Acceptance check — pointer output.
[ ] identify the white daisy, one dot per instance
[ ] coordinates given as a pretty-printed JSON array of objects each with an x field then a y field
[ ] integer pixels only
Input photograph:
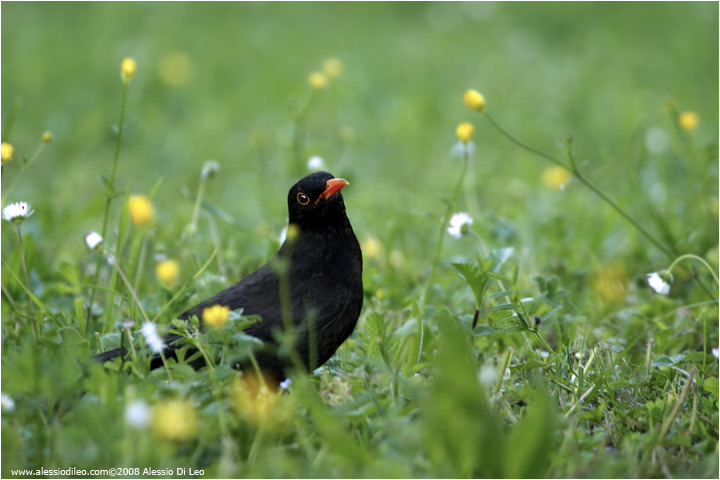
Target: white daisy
[
  {"x": 17, "y": 212},
  {"x": 8, "y": 404},
  {"x": 459, "y": 148},
  {"x": 660, "y": 282},
  {"x": 716, "y": 352},
  {"x": 152, "y": 339},
  {"x": 315, "y": 163},
  {"x": 137, "y": 414},
  {"x": 210, "y": 168},
  {"x": 459, "y": 224},
  {"x": 282, "y": 236},
  {"x": 93, "y": 239}
]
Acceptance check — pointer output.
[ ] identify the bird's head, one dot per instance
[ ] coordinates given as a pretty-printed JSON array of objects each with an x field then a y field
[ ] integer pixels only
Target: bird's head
[{"x": 315, "y": 201}]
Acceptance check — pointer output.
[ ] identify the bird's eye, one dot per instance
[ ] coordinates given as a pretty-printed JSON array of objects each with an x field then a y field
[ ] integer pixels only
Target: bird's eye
[{"x": 303, "y": 199}]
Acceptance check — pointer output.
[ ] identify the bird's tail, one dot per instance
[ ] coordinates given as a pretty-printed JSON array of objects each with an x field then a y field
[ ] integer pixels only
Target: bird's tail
[
  {"x": 108, "y": 355},
  {"x": 156, "y": 360}
]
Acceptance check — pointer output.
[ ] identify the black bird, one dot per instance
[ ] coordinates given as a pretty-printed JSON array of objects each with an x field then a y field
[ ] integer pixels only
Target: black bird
[{"x": 324, "y": 274}]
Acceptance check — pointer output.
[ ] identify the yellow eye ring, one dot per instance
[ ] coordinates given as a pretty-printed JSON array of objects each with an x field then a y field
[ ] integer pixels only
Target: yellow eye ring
[{"x": 303, "y": 199}]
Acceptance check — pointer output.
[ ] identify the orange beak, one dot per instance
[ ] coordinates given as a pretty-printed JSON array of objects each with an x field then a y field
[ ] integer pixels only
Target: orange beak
[{"x": 332, "y": 186}]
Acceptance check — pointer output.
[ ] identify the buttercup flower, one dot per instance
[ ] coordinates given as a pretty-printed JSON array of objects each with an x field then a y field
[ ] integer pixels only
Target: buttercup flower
[
  {"x": 17, "y": 212},
  {"x": 688, "y": 121},
  {"x": 371, "y": 247},
  {"x": 257, "y": 400},
  {"x": 556, "y": 177},
  {"x": 167, "y": 271},
  {"x": 152, "y": 339},
  {"x": 332, "y": 67},
  {"x": 127, "y": 69},
  {"x": 93, "y": 239},
  {"x": 47, "y": 137},
  {"x": 459, "y": 224},
  {"x": 318, "y": 80},
  {"x": 137, "y": 414},
  {"x": 660, "y": 282},
  {"x": 610, "y": 282},
  {"x": 465, "y": 131},
  {"x": 315, "y": 163},
  {"x": 6, "y": 152},
  {"x": 474, "y": 100},
  {"x": 174, "y": 420},
  {"x": 141, "y": 211},
  {"x": 216, "y": 316}
]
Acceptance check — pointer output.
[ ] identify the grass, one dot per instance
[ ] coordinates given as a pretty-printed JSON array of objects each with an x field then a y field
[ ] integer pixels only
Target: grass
[{"x": 449, "y": 372}]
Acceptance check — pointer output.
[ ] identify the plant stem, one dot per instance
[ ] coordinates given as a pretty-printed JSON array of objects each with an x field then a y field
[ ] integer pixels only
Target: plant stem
[
  {"x": 690, "y": 256},
  {"x": 129, "y": 287},
  {"x": 110, "y": 193},
  {"x": 184, "y": 287},
  {"x": 36, "y": 330},
  {"x": 503, "y": 366},
  {"x": 438, "y": 247},
  {"x": 522, "y": 145},
  {"x": 198, "y": 201},
  {"x": 443, "y": 227},
  {"x": 676, "y": 408},
  {"x": 37, "y": 153},
  {"x": 299, "y": 131},
  {"x": 576, "y": 173}
]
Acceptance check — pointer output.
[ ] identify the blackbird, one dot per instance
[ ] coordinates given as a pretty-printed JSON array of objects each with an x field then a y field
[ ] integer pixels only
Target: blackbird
[{"x": 320, "y": 262}]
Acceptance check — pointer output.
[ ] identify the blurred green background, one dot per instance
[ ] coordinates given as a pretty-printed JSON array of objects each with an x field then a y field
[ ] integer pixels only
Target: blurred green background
[
  {"x": 224, "y": 81},
  {"x": 597, "y": 71}
]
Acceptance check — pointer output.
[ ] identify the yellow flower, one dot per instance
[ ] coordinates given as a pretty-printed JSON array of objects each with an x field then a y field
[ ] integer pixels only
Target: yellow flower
[
  {"x": 257, "y": 399},
  {"x": 610, "y": 282},
  {"x": 293, "y": 230},
  {"x": 372, "y": 248},
  {"x": 215, "y": 316},
  {"x": 174, "y": 420},
  {"x": 6, "y": 152},
  {"x": 167, "y": 271},
  {"x": 47, "y": 137},
  {"x": 465, "y": 131},
  {"x": 141, "y": 210},
  {"x": 318, "y": 80},
  {"x": 688, "y": 121},
  {"x": 174, "y": 69},
  {"x": 332, "y": 67},
  {"x": 127, "y": 69},
  {"x": 556, "y": 177},
  {"x": 474, "y": 100}
]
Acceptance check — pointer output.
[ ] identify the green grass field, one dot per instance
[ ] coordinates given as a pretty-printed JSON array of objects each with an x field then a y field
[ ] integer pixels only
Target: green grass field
[{"x": 576, "y": 367}]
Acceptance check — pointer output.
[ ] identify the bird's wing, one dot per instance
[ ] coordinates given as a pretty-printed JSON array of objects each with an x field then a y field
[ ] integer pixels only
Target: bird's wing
[{"x": 257, "y": 294}]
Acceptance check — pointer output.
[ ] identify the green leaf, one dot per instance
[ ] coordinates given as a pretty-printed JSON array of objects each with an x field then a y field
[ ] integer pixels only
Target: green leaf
[
  {"x": 501, "y": 255},
  {"x": 476, "y": 279},
  {"x": 502, "y": 293},
  {"x": 665, "y": 361},
  {"x": 711, "y": 385},
  {"x": 532, "y": 440},
  {"x": 109, "y": 189},
  {"x": 505, "y": 306}
]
